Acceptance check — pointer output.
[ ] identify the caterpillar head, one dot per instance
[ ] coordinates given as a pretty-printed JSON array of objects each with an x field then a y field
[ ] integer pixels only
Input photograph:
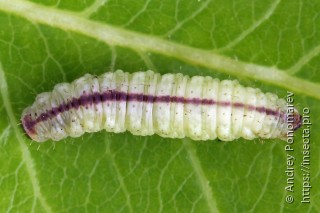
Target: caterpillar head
[
  {"x": 29, "y": 128},
  {"x": 29, "y": 123}
]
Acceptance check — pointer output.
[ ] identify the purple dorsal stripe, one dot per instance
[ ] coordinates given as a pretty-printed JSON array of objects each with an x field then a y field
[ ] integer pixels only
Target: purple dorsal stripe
[{"x": 112, "y": 95}]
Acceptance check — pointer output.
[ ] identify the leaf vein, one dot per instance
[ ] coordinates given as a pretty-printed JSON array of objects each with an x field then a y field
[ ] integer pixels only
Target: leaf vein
[
  {"x": 133, "y": 40},
  {"x": 201, "y": 177},
  {"x": 25, "y": 151}
]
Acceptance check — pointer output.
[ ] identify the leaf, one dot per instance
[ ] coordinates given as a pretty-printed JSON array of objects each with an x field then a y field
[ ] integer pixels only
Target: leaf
[{"x": 272, "y": 45}]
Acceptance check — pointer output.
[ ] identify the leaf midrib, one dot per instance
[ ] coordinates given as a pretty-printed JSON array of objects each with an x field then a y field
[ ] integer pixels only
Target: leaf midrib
[{"x": 114, "y": 36}]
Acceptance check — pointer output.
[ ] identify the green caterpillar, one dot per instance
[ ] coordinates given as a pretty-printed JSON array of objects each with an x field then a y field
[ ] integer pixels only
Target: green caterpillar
[{"x": 146, "y": 103}]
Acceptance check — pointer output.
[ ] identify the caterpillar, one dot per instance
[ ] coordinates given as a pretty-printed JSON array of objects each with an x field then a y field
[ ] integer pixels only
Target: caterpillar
[{"x": 146, "y": 103}]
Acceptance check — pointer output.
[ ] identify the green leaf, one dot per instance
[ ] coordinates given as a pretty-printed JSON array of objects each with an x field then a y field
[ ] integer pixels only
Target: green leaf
[{"x": 273, "y": 45}]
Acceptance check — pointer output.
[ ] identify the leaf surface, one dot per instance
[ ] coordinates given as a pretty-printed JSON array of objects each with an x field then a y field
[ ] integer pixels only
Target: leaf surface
[{"x": 272, "y": 45}]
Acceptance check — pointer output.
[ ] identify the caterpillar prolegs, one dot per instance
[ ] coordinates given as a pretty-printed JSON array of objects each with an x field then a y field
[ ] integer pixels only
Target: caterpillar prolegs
[{"x": 146, "y": 103}]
